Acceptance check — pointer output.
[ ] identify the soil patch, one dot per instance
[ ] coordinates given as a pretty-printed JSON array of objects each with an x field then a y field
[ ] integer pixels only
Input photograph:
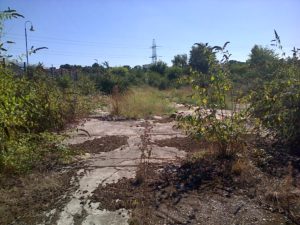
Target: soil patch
[
  {"x": 25, "y": 199},
  {"x": 103, "y": 144},
  {"x": 187, "y": 144},
  {"x": 192, "y": 193}
]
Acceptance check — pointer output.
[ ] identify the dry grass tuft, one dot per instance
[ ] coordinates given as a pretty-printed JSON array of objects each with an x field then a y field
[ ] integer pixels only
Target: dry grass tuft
[
  {"x": 25, "y": 199},
  {"x": 284, "y": 196},
  {"x": 239, "y": 167}
]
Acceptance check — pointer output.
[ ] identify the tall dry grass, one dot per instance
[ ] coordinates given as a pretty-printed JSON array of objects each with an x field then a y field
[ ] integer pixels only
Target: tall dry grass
[{"x": 141, "y": 102}]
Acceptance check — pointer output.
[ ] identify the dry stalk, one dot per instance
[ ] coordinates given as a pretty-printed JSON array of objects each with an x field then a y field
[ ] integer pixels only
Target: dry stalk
[
  {"x": 142, "y": 175},
  {"x": 116, "y": 98}
]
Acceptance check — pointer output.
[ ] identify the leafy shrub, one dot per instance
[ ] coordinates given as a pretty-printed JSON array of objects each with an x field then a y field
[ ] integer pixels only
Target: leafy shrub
[
  {"x": 106, "y": 82},
  {"x": 157, "y": 80},
  {"x": 33, "y": 105},
  {"x": 159, "y": 67},
  {"x": 85, "y": 86},
  {"x": 174, "y": 73},
  {"x": 64, "y": 81},
  {"x": 211, "y": 121},
  {"x": 276, "y": 104},
  {"x": 27, "y": 151},
  {"x": 29, "y": 108}
]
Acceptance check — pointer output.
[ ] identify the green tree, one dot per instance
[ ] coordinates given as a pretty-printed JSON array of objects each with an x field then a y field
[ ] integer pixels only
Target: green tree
[
  {"x": 174, "y": 72},
  {"x": 262, "y": 60},
  {"x": 159, "y": 67},
  {"x": 95, "y": 66},
  {"x": 66, "y": 66},
  {"x": 199, "y": 57},
  {"x": 180, "y": 61}
]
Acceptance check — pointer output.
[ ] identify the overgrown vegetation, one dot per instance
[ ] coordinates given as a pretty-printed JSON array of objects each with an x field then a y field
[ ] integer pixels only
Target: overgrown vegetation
[
  {"x": 140, "y": 103},
  {"x": 231, "y": 98},
  {"x": 271, "y": 106},
  {"x": 30, "y": 108},
  {"x": 212, "y": 122},
  {"x": 277, "y": 105},
  {"x": 33, "y": 105},
  {"x": 181, "y": 95}
]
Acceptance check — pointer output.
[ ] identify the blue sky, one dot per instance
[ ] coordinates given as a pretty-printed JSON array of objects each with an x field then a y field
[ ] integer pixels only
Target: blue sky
[{"x": 121, "y": 31}]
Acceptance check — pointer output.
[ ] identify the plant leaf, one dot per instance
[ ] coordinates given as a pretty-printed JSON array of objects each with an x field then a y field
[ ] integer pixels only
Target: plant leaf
[
  {"x": 218, "y": 48},
  {"x": 40, "y": 48},
  {"x": 226, "y": 43}
]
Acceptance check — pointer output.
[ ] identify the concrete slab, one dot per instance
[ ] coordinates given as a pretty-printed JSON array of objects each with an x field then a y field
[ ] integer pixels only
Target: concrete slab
[{"x": 109, "y": 167}]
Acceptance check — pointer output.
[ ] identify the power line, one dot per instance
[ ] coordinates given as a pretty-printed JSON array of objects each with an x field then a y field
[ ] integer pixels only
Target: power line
[
  {"x": 64, "y": 42},
  {"x": 112, "y": 45},
  {"x": 88, "y": 54},
  {"x": 74, "y": 42}
]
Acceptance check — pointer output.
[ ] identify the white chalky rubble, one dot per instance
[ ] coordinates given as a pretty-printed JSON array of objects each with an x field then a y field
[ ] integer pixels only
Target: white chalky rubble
[{"x": 109, "y": 167}]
